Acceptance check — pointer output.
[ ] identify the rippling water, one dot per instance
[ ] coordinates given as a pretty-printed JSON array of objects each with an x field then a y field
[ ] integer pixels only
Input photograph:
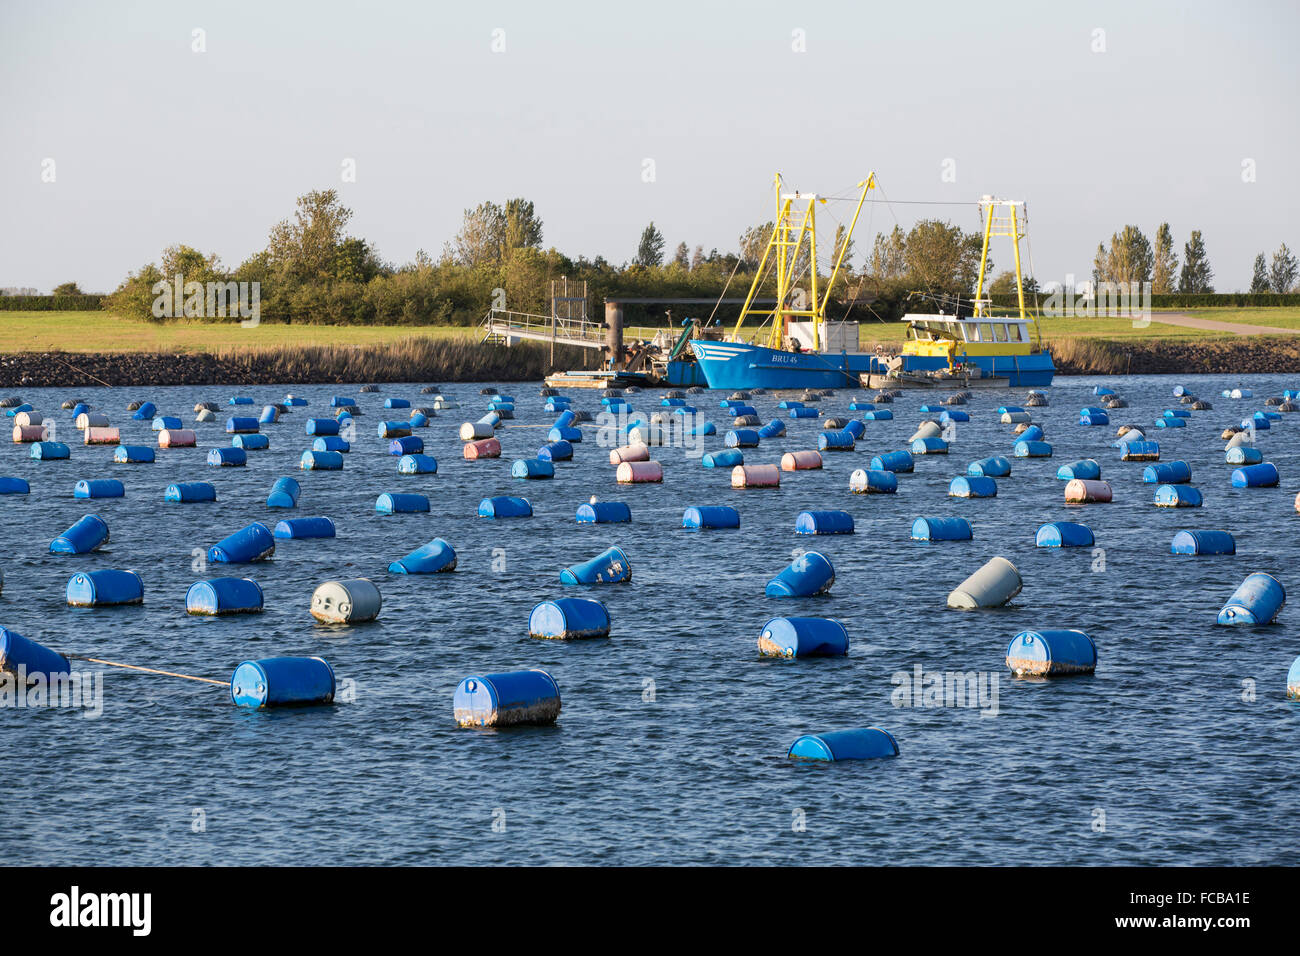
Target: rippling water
[{"x": 671, "y": 745}]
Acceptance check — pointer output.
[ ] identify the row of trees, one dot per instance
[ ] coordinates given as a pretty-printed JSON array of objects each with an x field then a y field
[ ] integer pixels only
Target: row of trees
[{"x": 1130, "y": 257}]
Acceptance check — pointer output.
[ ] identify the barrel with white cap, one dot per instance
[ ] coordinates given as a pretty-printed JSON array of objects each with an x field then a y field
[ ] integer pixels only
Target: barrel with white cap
[
  {"x": 1052, "y": 653},
  {"x": 866, "y": 743},
  {"x": 220, "y": 596},
  {"x": 88, "y": 533},
  {"x": 282, "y": 682},
  {"x": 993, "y": 585},
  {"x": 50, "y": 451},
  {"x": 1064, "y": 534},
  {"x": 871, "y": 481},
  {"x": 808, "y": 575},
  {"x": 436, "y": 557},
  {"x": 791, "y": 637},
  {"x": 611, "y": 566},
  {"x": 105, "y": 587},
  {"x": 1257, "y": 600},
  {"x": 532, "y": 469},
  {"x": 1032, "y": 449},
  {"x": 502, "y": 700},
  {"x": 28, "y": 660},
  {"x": 417, "y": 465},
  {"x": 878, "y": 415},
  {"x": 569, "y": 619},
  {"x": 353, "y": 601},
  {"x": 1087, "y": 468},
  {"x": 247, "y": 545},
  {"x": 331, "y": 443},
  {"x": 133, "y": 454},
  {"x": 738, "y": 438},
  {"x": 396, "y": 503},
  {"x": 470, "y": 431},
  {"x": 321, "y": 461},
  {"x": 1243, "y": 455}
]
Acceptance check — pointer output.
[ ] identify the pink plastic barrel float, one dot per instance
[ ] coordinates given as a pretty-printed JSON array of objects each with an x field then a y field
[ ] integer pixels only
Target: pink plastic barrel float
[
  {"x": 634, "y": 452},
  {"x": 801, "y": 460},
  {"x": 755, "y": 476},
  {"x": 177, "y": 438},
  {"x": 639, "y": 472},
  {"x": 485, "y": 448},
  {"x": 102, "y": 436},
  {"x": 1086, "y": 490},
  {"x": 28, "y": 433}
]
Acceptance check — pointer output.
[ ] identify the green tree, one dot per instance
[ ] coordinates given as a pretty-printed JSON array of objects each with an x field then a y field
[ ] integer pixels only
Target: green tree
[
  {"x": 753, "y": 243},
  {"x": 1196, "y": 274},
  {"x": 1165, "y": 265},
  {"x": 67, "y": 288},
  {"x": 888, "y": 259},
  {"x": 304, "y": 248},
  {"x": 1130, "y": 258},
  {"x": 1259, "y": 281},
  {"x": 841, "y": 238},
  {"x": 940, "y": 255},
  {"x": 1282, "y": 273},
  {"x": 650, "y": 251},
  {"x": 682, "y": 257}
]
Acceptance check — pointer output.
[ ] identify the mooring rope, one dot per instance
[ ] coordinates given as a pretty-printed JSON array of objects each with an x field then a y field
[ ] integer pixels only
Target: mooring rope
[{"x": 147, "y": 670}]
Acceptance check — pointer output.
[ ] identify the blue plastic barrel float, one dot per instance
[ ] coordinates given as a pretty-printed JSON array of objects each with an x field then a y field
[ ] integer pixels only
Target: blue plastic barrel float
[
  {"x": 88, "y": 533},
  {"x": 343, "y": 401},
  {"x": 251, "y": 442},
  {"x": 1094, "y": 416},
  {"x": 314, "y": 527},
  {"x": 240, "y": 400},
  {"x": 284, "y": 493},
  {"x": 708, "y": 428},
  {"x": 99, "y": 488},
  {"x": 741, "y": 438},
  {"x": 1167, "y": 473},
  {"x": 14, "y": 486},
  {"x": 738, "y": 411},
  {"x": 727, "y": 458},
  {"x": 855, "y": 428},
  {"x": 162, "y": 422},
  {"x": 1032, "y": 449},
  {"x": 784, "y": 406},
  {"x": 251, "y": 543},
  {"x": 532, "y": 468},
  {"x": 801, "y": 412},
  {"x": 808, "y": 575},
  {"x": 611, "y": 566},
  {"x": 436, "y": 557},
  {"x": 270, "y": 415},
  {"x": 973, "y": 486},
  {"x": 105, "y": 587},
  {"x": 331, "y": 443},
  {"x": 1203, "y": 542},
  {"x": 321, "y": 461},
  {"x": 227, "y": 457},
  {"x": 1139, "y": 451},
  {"x": 569, "y": 619},
  {"x": 556, "y": 451},
  {"x": 791, "y": 637},
  {"x": 1064, "y": 534},
  {"x": 941, "y": 529},
  {"x": 1032, "y": 433},
  {"x": 868, "y": 481},
  {"x": 1177, "y": 413},
  {"x": 710, "y": 516},
  {"x": 505, "y": 506},
  {"x": 395, "y": 403},
  {"x": 842, "y": 440},
  {"x": 29, "y": 660},
  {"x": 417, "y": 465},
  {"x": 823, "y": 522},
  {"x": 878, "y": 415},
  {"x": 1243, "y": 455},
  {"x": 408, "y": 445},
  {"x": 50, "y": 451},
  {"x": 1178, "y": 496},
  {"x": 392, "y": 430},
  {"x": 1101, "y": 390},
  {"x": 187, "y": 491},
  {"x": 895, "y": 461},
  {"x": 395, "y": 503},
  {"x": 239, "y": 425},
  {"x": 1165, "y": 422},
  {"x": 859, "y": 406},
  {"x": 1263, "y": 475},
  {"x": 220, "y": 596},
  {"x": 571, "y": 435},
  {"x": 146, "y": 410},
  {"x": 1052, "y": 653},
  {"x": 133, "y": 454},
  {"x": 502, "y": 700},
  {"x": 1087, "y": 468},
  {"x": 604, "y": 512},
  {"x": 995, "y": 467},
  {"x": 867, "y": 743},
  {"x": 953, "y": 415},
  {"x": 282, "y": 682},
  {"x": 294, "y": 401},
  {"x": 1257, "y": 600},
  {"x": 322, "y": 426}
]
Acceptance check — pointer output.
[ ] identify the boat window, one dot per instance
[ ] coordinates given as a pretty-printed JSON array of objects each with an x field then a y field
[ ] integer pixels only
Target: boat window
[
  {"x": 1017, "y": 333},
  {"x": 986, "y": 332},
  {"x": 1000, "y": 332}
]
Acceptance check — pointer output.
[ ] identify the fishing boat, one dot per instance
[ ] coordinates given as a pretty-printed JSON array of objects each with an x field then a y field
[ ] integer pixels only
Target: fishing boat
[{"x": 804, "y": 350}]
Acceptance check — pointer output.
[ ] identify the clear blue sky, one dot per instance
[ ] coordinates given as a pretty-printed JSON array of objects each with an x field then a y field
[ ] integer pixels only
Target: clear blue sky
[{"x": 154, "y": 144}]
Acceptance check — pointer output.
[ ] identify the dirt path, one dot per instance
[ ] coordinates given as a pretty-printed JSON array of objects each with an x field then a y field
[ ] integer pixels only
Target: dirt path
[{"x": 1237, "y": 328}]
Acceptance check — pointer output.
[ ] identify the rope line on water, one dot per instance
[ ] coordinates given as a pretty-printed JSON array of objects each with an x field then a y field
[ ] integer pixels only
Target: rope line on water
[{"x": 147, "y": 670}]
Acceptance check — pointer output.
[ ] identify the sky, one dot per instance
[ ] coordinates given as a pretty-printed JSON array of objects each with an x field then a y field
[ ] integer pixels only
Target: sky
[{"x": 119, "y": 136}]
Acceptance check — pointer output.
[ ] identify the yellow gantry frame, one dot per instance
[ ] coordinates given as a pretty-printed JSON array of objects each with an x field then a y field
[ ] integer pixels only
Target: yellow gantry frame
[
  {"x": 1007, "y": 227},
  {"x": 787, "y": 254}
]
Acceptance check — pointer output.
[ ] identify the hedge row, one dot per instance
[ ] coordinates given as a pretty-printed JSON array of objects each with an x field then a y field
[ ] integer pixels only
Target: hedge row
[
  {"x": 1189, "y": 300},
  {"x": 51, "y": 303}
]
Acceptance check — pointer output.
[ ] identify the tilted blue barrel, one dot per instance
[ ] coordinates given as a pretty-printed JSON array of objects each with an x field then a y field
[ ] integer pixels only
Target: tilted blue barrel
[
  {"x": 708, "y": 428},
  {"x": 419, "y": 419},
  {"x": 878, "y": 415},
  {"x": 1263, "y": 475},
  {"x": 1102, "y": 390},
  {"x": 855, "y": 428},
  {"x": 417, "y": 465},
  {"x": 611, "y": 566},
  {"x": 941, "y": 529},
  {"x": 505, "y": 506},
  {"x": 21, "y": 656},
  {"x": 895, "y": 461},
  {"x": 433, "y": 558},
  {"x": 565, "y": 419},
  {"x": 105, "y": 587},
  {"x": 823, "y": 522},
  {"x": 252, "y": 543},
  {"x": 270, "y": 415},
  {"x": 808, "y": 575},
  {"x": 741, "y": 438},
  {"x": 836, "y": 441},
  {"x": 322, "y": 426},
  {"x": 282, "y": 682},
  {"x": 532, "y": 468},
  {"x": 146, "y": 411},
  {"x": 995, "y": 467},
  {"x": 1087, "y": 469},
  {"x": 1052, "y": 653},
  {"x": 227, "y": 457},
  {"x": 501, "y": 700},
  {"x": 1033, "y": 449},
  {"x": 973, "y": 486},
  {"x": 162, "y": 422},
  {"x": 133, "y": 454},
  {"x": 1257, "y": 600},
  {"x": 401, "y": 503},
  {"x": 670, "y": 402},
  {"x": 867, "y": 743},
  {"x": 50, "y": 450},
  {"x": 556, "y": 451},
  {"x": 86, "y": 535},
  {"x": 1243, "y": 455},
  {"x": 569, "y": 619},
  {"x": 407, "y": 445},
  {"x": 14, "y": 486},
  {"x": 784, "y": 406},
  {"x": 1032, "y": 433},
  {"x": 1009, "y": 409},
  {"x": 251, "y": 442},
  {"x": 321, "y": 461},
  {"x": 1178, "y": 496},
  {"x": 331, "y": 443},
  {"x": 711, "y": 516},
  {"x": 284, "y": 493},
  {"x": 217, "y": 596},
  {"x": 1203, "y": 542},
  {"x": 240, "y": 425},
  {"x": 604, "y": 512},
  {"x": 1064, "y": 534},
  {"x": 1167, "y": 473},
  {"x": 315, "y": 527},
  {"x": 190, "y": 491},
  {"x": 99, "y": 488},
  {"x": 727, "y": 458},
  {"x": 803, "y": 637}
]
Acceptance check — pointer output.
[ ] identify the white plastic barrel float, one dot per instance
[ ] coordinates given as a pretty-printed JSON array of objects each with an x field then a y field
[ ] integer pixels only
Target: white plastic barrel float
[
  {"x": 1081, "y": 491},
  {"x": 808, "y": 575},
  {"x": 205, "y": 415},
  {"x": 1088, "y": 469},
  {"x": 417, "y": 465},
  {"x": 604, "y": 512},
  {"x": 995, "y": 467},
  {"x": 927, "y": 430},
  {"x": 800, "y": 460},
  {"x": 284, "y": 493},
  {"x": 1177, "y": 496},
  {"x": 639, "y": 472},
  {"x": 28, "y": 660},
  {"x": 1203, "y": 542},
  {"x": 823, "y": 522},
  {"x": 1257, "y": 600},
  {"x": 505, "y": 506},
  {"x": 321, "y": 461},
  {"x": 1167, "y": 473},
  {"x": 507, "y": 699},
  {"x": 249, "y": 544},
  {"x": 1263, "y": 475},
  {"x": 220, "y": 596},
  {"x": 353, "y": 601},
  {"x": 105, "y": 587},
  {"x": 870, "y": 481},
  {"x": 868, "y": 743},
  {"x": 611, "y": 566},
  {"x": 398, "y": 503},
  {"x": 1015, "y": 418},
  {"x": 227, "y": 457},
  {"x": 993, "y": 585},
  {"x": 282, "y": 682},
  {"x": 1051, "y": 653},
  {"x": 177, "y": 438},
  {"x": 99, "y": 488},
  {"x": 941, "y": 529},
  {"x": 483, "y": 448},
  {"x": 1238, "y": 439},
  {"x": 791, "y": 637},
  {"x": 725, "y": 458},
  {"x": 1064, "y": 534},
  {"x": 899, "y": 462},
  {"x": 638, "y": 451},
  {"x": 471, "y": 431},
  {"x": 569, "y": 619},
  {"x": 88, "y": 533},
  {"x": 1140, "y": 451},
  {"x": 973, "y": 486},
  {"x": 133, "y": 454},
  {"x": 436, "y": 557},
  {"x": 187, "y": 491},
  {"x": 755, "y": 476},
  {"x": 706, "y": 517},
  {"x": 90, "y": 420},
  {"x": 300, "y": 528}
]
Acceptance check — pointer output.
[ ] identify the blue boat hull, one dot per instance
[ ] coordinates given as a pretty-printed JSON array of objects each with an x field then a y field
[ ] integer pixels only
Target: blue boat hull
[{"x": 1021, "y": 371}]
